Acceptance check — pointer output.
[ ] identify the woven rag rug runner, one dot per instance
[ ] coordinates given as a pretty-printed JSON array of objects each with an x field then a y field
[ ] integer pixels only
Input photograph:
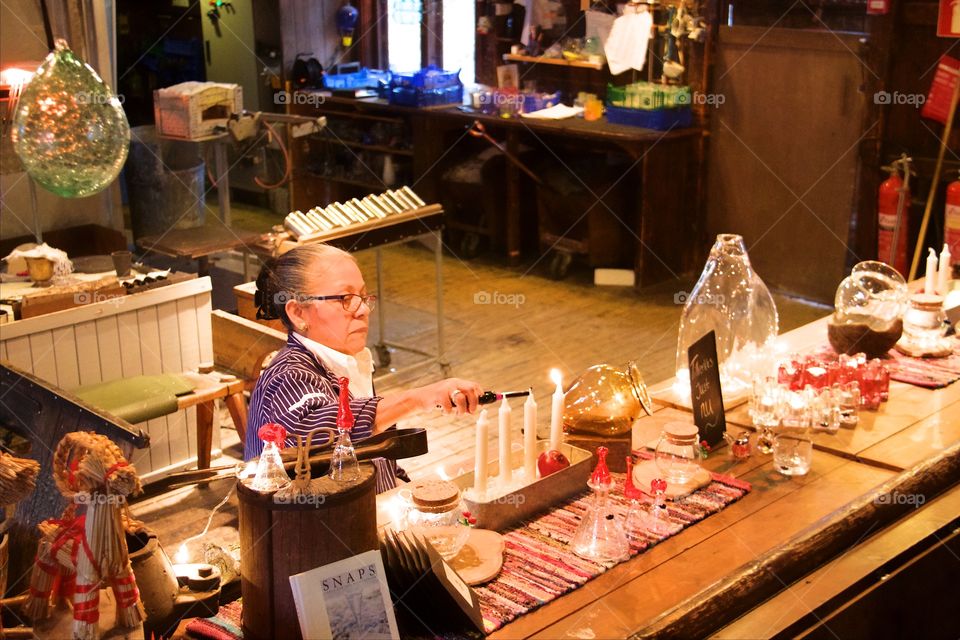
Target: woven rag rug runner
[
  {"x": 929, "y": 373},
  {"x": 538, "y": 564}
]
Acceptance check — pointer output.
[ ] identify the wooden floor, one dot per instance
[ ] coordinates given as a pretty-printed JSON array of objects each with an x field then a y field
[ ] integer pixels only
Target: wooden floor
[{"x": 505, "y": 328}]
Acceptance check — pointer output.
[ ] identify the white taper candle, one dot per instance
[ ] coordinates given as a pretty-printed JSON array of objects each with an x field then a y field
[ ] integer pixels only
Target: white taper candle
[
  {"x": 530, "y": 437},
  {"x": 556, "y": 411},
  {"x": 506, "y": 468},
  {"x": 480, "y": 457}
]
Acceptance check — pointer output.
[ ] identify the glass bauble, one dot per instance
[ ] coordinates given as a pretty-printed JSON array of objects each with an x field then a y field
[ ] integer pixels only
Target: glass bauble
[
  {"x": 731, "y": 300},
  {"x": 69, "y": 130},
  {"x": 606, "y": 400}
]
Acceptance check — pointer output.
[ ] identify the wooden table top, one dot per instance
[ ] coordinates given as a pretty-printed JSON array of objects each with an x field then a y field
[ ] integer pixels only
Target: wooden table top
[
  {"x": 199, "y": 242},
  {"x": 717, "y": 569}
]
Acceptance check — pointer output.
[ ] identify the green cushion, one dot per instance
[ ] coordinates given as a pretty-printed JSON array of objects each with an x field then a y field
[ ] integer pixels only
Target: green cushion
[{"x": 139, "y": 398}]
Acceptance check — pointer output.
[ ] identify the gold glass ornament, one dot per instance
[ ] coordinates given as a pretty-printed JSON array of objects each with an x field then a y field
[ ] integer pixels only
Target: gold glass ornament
[
  {"x": 69, "y": 130},
  {"x": 606, "y": 400}
]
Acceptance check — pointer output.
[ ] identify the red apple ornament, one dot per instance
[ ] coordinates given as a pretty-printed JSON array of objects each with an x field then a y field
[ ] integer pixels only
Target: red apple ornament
[{"x": 551, "y": 462}]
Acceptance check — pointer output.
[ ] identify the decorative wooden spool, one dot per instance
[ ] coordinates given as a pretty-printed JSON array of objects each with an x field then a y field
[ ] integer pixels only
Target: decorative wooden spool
[{"x": 280, "y": 540}]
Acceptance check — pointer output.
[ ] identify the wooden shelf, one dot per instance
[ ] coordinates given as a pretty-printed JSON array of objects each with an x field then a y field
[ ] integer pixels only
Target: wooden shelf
[
  {"x": 368, "y": 147},
  {"x": 510, "y": 57},
  {"x": 370, "y": 186}
]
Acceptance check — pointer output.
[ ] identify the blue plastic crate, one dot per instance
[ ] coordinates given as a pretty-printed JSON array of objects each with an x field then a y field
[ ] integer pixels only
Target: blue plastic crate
[
  {"x": 363, "y": 78},
  {"x": 430, "y": 77},
  {"x": 659, "y": 119},
  {"x": 419, "y": 97}
]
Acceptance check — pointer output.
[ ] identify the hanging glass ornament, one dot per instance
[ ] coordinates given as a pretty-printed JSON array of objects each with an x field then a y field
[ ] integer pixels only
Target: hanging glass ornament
[
  {"x": 69, "y": 130},
  {"x": 731, "y": 300}
]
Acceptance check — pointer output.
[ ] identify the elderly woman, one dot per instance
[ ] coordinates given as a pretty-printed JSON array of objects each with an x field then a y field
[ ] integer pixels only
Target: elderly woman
[{"x": 320, "y": 295}]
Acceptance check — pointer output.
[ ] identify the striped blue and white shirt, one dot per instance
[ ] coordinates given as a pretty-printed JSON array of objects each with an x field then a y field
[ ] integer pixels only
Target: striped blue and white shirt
[{"x": 297, "y": 391}]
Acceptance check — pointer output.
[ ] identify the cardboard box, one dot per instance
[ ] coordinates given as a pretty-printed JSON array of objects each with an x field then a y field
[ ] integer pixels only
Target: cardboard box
[{"x": 192, "y": 110}]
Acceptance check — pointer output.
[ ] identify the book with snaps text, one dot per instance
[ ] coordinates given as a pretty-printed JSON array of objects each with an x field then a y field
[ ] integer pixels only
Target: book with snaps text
[{"x": 345, "y": 599}]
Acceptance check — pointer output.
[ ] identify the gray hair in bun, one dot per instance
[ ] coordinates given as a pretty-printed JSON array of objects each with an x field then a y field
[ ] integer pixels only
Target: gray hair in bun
[{"x": 285, "y": 277}]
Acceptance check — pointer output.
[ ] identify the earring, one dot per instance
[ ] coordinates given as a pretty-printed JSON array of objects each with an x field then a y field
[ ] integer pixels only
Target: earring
[{"x": 303, "y": 327}]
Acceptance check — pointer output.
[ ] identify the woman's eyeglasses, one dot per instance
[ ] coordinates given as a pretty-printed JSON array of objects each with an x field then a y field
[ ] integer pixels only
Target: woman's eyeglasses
[{"x": 350, "y": 301}]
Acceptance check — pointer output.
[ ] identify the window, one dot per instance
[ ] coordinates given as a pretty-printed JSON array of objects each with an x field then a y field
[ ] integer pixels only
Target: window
[{"x": 451, "y": 28}]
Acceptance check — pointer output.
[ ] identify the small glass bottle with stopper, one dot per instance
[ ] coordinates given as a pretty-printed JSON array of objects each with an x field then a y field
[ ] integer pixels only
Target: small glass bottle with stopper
[
  {"x": 270, "y": 475},
  {"x": 601, "y": 536},
  {"x": 343, "y": 464}
]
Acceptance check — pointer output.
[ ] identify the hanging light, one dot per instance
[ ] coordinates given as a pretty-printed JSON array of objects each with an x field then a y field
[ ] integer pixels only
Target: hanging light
[{"x": 69, "y": 130}]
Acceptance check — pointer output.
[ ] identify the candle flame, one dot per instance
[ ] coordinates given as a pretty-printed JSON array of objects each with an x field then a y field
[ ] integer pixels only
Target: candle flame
[
  {"x": 556, "y": 377},
  {"x": 14, "y": 76},
  {"x": 182, "y": 556}
]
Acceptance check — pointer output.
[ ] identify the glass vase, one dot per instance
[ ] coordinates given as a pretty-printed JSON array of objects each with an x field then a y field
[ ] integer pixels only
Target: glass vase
[
  {"x": 869, "y": 304},
  {"x": 606, "y": 400},
  {"x": 731, "y": 300}
]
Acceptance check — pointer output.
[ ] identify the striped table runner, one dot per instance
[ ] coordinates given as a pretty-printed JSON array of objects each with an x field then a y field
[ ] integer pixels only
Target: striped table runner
[{"x": 539, "y": 565}]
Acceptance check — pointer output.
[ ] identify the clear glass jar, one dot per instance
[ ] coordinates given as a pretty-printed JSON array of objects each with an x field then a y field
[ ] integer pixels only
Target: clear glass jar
[
  {"x": 678, "y": 452},
  {"x": 436, "y": 513},
  {"x": 923, "y": 321}
]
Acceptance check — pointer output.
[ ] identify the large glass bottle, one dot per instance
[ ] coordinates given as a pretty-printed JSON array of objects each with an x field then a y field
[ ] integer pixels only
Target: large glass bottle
[{"x": 731, "y": 300}]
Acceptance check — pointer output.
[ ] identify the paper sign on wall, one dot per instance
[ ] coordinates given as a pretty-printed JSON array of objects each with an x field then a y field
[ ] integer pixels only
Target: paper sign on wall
[{"x": 937, "y": 105}]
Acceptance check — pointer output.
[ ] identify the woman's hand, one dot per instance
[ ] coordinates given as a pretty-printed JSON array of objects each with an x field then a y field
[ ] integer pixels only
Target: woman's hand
[{"x": 452, "y": 394}]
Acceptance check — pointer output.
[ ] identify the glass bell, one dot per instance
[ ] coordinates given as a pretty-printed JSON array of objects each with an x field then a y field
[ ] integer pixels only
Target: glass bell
[
  {"x": 270, "y": 475},
  {"x": 869, "y": 305},
  {"x": 601, "y": 535},
  {"x": 69, "y": 130},
  {"x": 343, "y": 464},
  {"x": 606, "y": 400},
  {"x": 731, "y": 300}
]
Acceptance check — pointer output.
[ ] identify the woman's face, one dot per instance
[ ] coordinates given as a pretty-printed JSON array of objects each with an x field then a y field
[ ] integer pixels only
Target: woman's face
[{"x": 327, "y": 321}]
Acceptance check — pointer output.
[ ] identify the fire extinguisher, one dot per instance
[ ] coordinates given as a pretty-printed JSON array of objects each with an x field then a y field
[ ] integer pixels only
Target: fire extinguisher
[
  {"x": 892, "y": 208},
  {"x": 951, "y": 223}
]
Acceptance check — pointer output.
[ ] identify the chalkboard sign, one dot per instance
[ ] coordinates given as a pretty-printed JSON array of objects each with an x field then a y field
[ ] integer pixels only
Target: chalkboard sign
[{"x": 705, "y": 393}]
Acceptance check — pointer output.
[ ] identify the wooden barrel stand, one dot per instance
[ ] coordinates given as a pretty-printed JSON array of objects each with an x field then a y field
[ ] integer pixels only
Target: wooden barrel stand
[{"x": 280, "y": 540}]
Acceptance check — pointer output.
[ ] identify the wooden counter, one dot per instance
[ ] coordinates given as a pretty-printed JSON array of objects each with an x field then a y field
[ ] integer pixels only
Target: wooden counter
[{"x": 862, "y": 492}]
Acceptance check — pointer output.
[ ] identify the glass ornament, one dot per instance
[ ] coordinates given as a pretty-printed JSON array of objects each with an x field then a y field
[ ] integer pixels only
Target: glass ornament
[
  {"x": 344, "y": 466},
  {"x": 270, "y": 475},
  {"x": 869, "y": 306},
  {"x": 601, "y": 535},
  {"x": 606, "y": 400},
  {"x": 731, "y": 300},
  {"x": 69, "y": 130}
]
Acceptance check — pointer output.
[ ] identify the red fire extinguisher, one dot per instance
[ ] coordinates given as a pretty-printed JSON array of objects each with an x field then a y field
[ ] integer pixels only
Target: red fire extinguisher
[
  {"x": 892, "y": 208},
  {"x": 951, "y": 223}
]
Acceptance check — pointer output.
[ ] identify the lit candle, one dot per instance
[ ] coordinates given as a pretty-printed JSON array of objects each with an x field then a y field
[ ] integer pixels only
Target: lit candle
[
  {"x": 556, "y": 411},
  {"x": 506, "y": 470},
  {"x": 945, "y": 274},
  {"x": 480, "y": 457},
  {"x": 930, "y": 277},
  {"x": 530, "y": 437}
]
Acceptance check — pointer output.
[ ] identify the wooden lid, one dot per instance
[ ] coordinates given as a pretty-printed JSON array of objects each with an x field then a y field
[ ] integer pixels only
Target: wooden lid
[
  {"x": 681, "y": 430},
  {"x": 926, "y": 301},
  {"x": 435, "y": 493}
]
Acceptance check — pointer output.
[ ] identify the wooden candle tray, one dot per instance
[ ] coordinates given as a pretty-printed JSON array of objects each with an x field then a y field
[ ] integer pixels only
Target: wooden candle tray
[{"x": 506, "y": 510}]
